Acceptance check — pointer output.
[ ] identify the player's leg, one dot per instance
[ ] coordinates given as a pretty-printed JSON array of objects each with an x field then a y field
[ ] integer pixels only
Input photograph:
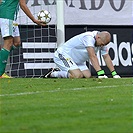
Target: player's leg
[
  {"x": 7, "y": 34},
  {"x": 8, "y": 42},
  {"x": 85, "y": 71},
  {"x": 16, "y": 35},
  {"x": 4, "y": 53},
  {"x": 67, "y": 65},
  {"x": 76, "y": 73},
  {"x": 54, "y": 73}
]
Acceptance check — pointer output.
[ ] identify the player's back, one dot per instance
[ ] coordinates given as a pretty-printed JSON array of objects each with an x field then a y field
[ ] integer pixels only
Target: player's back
[
  {"x": 77, "y": 42},
  {"x": 76, "y": 46}
]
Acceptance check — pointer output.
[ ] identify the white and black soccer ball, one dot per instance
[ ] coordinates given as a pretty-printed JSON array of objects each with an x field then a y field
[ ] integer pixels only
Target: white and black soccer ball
[{"x": 44, "y": 16}]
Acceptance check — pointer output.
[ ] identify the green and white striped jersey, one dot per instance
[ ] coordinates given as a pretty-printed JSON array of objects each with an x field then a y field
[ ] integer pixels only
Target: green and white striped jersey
[{"x": 9, "y": 9}]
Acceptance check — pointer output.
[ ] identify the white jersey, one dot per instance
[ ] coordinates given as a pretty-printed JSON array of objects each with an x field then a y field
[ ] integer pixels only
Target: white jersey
[{"x": 76, "y": 47}]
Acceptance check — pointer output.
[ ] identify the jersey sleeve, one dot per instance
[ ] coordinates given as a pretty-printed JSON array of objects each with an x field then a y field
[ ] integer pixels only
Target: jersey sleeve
[{"x": 88, "y": 41}]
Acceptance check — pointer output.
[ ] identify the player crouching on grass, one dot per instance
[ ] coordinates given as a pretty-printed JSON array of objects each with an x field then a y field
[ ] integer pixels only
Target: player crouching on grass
[{"x": 71, "y": 57}]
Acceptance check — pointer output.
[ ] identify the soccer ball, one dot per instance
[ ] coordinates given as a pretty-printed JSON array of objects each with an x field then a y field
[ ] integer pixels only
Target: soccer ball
[{"x": 44, "y": 16}]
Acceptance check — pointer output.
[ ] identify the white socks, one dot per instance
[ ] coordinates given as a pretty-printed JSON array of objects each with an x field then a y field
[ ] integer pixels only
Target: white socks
[{"x": 59, "y": 74}]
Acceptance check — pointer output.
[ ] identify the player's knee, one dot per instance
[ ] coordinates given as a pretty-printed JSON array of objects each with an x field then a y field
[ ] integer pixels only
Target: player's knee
[
  {"x": 78, "y": 75},
  {"x": 88, "y": 76},
  {"x": 8, "y": 42},
  {"x": 17, "y": 41}
]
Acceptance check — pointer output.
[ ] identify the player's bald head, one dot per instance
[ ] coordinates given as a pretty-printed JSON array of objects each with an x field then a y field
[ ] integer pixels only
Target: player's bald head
[{"x": 105, "y": 36}]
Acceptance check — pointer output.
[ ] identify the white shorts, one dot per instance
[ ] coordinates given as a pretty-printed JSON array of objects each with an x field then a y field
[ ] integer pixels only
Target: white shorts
[
  {"x": 66, "y": 63},
  {"x": 9, "y": 28}
]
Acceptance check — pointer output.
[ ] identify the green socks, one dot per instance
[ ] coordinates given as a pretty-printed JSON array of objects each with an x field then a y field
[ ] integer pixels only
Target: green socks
[{"x": 3, "y": 60}]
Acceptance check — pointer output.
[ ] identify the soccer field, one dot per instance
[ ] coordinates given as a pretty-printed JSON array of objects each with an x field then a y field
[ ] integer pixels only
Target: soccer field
[{"x": 31, "y": 105}]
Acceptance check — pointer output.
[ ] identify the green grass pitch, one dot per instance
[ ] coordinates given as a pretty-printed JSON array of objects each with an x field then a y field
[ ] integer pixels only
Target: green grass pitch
[{"x": 31, "y": 105}]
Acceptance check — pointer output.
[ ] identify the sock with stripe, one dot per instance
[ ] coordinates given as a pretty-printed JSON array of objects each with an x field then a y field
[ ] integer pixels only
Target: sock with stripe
[{"x": 3, "y": 60}]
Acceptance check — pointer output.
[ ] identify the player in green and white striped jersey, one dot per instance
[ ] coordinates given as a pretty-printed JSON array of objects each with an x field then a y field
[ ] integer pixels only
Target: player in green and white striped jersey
[{"x": 9, "y": 28}]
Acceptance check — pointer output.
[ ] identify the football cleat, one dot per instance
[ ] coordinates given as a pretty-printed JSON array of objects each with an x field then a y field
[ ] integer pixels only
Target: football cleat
[
  {"x": 48, "y": 74},
  {"x": 5, "y": 76}
]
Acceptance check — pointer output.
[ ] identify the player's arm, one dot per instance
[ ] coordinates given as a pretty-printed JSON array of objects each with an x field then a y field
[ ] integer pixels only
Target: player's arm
[
  {"x": 93, "y": 58},
  {"x": 109, "y": 64},
  {"x": 26, "y": 10},
  {"x": 95, "y": 62}
]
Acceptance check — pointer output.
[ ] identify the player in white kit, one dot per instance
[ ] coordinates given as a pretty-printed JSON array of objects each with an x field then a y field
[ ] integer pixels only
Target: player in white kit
[{"x": 71, "y": 57}]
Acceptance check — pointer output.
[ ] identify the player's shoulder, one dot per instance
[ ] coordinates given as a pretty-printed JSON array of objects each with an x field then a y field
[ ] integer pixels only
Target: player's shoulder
[{"x": 92, "y": 33}]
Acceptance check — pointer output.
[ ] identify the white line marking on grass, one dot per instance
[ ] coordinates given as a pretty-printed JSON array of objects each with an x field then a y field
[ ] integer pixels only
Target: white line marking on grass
[{"x": 59, "y": 90}]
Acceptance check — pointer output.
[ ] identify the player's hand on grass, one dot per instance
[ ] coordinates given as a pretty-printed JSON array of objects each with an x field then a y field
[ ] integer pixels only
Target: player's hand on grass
[
  {"x": 101, "y": 74},
  {"x": 115, "y": 75},
  {"x": 102, "y": 77}
]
